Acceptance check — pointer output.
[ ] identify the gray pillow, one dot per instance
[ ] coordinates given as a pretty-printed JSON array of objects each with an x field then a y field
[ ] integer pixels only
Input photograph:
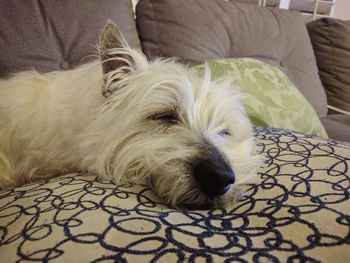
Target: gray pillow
[
  {"x": 331, "y": 41},
  {"x": 56, "y": 35},
  {"x": 212, "y": 29}
]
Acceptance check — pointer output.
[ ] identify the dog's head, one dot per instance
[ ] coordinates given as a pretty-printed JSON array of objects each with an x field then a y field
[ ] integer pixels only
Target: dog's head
[{"x": 186, "y": 136}]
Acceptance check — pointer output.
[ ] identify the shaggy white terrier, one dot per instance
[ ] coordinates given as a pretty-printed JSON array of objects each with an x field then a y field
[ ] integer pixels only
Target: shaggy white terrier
[{"x": 155, "y": 123}]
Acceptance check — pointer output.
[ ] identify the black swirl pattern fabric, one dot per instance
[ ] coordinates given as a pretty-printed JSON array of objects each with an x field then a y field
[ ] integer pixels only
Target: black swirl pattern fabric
[{"x": 296, "y": 210}]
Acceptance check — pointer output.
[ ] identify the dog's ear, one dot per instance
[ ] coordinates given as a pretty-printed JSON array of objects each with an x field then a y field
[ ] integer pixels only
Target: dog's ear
[{"x": 112, "y": 39}]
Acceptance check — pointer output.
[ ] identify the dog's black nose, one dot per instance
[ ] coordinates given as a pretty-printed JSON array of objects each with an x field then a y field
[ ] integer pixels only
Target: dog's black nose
[{"x": 213, "y": 175}]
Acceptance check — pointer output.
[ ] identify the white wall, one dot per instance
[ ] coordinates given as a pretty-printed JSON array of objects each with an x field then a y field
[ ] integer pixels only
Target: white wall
[{"x": 342, "y": 9}]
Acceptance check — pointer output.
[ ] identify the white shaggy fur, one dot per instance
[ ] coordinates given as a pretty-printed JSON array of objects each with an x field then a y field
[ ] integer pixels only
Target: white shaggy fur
[{"x": 59, "y": 122}]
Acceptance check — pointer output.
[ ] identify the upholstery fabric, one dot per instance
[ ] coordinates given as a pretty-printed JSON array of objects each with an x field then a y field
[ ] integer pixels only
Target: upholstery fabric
[
  {"x": 331, "y": 41},
  {"x": 337, "y": 126},
  {"x": 296, "y": 210},
  {"x": 213, "y": 29},
  {"x": 57, "y": 35},
  {"x": 270, "y": 98}
]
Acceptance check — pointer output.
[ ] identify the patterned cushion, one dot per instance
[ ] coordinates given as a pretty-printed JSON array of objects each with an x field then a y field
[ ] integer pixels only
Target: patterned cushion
[
  {"x": 296, "y": 210},
  {"x": 271, "y": 99}
]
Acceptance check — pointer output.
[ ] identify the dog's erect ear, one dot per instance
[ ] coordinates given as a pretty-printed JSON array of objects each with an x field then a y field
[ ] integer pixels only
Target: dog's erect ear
[{"x": 112, "y": 39}]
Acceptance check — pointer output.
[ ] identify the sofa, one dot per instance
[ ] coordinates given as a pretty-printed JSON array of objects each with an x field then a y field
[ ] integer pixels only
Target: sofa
[
  {"x": 296, "y": 210},
  {"x": 224, "y": 30}
]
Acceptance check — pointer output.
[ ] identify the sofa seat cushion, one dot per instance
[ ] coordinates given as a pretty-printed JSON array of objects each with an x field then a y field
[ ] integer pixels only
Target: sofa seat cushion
[
  {"x": 331, "y": 41},
  {"x": 296, "y": 210},
  {"x": 337, "y": 126},
  {"x": 214, "y": 29},
  {"x": 57, "y": 35}
]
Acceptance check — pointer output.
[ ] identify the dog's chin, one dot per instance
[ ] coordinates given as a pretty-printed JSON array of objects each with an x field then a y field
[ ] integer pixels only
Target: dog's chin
[
  {"x": 186, "y": 193},
  {"x": 201, "y": 201}
]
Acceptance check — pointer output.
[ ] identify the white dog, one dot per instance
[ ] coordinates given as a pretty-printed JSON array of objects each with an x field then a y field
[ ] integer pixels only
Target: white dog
[{"x": 155, "y": 123}]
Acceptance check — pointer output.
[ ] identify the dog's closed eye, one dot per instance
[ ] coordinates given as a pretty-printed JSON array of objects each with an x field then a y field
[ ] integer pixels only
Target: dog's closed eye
[
  {"x": 168, "y": 117},
  {"x": 225, "y": 132}
]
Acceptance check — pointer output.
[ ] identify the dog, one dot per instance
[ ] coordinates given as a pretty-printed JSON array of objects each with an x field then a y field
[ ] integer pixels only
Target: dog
[{"x": 155, "y": 123}]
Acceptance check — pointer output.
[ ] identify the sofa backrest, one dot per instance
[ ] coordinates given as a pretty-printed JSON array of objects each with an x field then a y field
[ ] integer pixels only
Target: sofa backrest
[
  {"x": 199, "y": 30},
  {"x": 56, "y": 35},
  {"x": 330, "y": 38}
]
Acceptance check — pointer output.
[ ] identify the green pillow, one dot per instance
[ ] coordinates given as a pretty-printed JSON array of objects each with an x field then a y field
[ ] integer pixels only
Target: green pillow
[{"x": 271, "y": 98}]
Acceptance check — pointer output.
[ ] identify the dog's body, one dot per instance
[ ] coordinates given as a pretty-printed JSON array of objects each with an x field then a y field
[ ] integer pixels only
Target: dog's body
[
  {"x": 41, "y": 117},
  {"x": 158, "y": 124}
]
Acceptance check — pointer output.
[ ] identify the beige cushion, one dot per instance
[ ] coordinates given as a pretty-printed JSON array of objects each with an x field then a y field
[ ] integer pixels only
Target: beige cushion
[
  {"x": 213, "y": 29},
  {"x": 296, "y": 210},
  {"x": 56, "y": 35},
  {"x": 331, "y": 41}
]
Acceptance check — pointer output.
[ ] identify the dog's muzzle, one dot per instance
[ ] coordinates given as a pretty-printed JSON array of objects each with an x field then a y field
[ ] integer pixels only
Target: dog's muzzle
[{"x": 213, "y": 174}]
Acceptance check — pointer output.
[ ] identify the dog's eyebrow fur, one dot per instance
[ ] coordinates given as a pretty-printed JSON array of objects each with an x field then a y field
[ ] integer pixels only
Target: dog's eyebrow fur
[{"x": 170, "y": 116}]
